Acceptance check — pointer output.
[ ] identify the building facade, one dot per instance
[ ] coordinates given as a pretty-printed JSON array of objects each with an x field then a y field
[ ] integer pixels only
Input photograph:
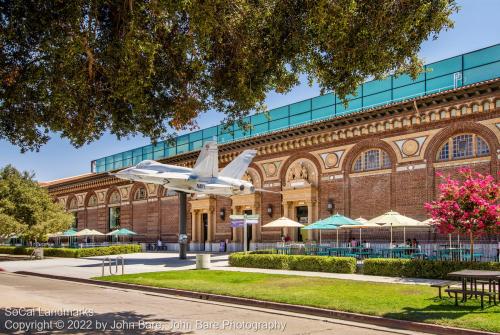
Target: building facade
[{"x": 360, "y": 164}]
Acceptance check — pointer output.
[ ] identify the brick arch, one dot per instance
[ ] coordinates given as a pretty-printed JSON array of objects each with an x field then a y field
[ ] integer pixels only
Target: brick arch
[
  {"x": 468, "y": 127},
  {"x": 110, "y": 191},
  {"x": 87, "y": 198},
  {"x": 256, "y": 169},
  {"x": 161, "y": 190},
  {"x": 68, "y": 201},
  {"x": 295, "y": 157},
  {"x": 134, "y": 188},
  {"x": 494, "y": 101},
  {"x": 364, "y": 145},
  {"x": 484, "y": 101}
]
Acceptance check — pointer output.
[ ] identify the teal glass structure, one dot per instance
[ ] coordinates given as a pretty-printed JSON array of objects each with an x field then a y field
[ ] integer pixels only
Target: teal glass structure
[{"x": 465, "y": 69}]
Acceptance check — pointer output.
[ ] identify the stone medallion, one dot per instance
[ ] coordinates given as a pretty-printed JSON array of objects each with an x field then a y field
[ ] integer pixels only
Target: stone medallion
[
  {"x": 331, "y": 160},
  {"x": 271, "y": 169},
  {"x": 410, "y": 147}
]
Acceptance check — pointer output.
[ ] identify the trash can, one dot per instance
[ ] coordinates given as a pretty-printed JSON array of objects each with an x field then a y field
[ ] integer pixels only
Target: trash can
[
  {"x": 38, "y": 253},
  {"x": 202, "y": 261}
]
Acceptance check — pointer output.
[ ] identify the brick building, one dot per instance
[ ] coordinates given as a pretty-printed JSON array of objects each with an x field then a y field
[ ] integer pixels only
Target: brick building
[{"x": 380, "y": 153}]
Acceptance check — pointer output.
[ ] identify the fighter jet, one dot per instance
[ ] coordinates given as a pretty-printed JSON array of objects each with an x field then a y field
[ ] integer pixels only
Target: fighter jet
[{"x": 203, "y": 178}]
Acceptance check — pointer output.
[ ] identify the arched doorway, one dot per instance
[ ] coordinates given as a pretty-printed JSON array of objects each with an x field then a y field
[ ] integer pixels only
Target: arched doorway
[{"x": 300, "y": 196}]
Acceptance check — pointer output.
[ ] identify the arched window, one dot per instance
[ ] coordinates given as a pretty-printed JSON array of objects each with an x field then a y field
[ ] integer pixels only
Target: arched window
[
  {"x": 114, "y": 198},
  {"x": 73, "y": 204},
  {"x": 463, "y": 146},
  {"x": 373, "y": 159},
  {"x": 92, "y": 201},
  {"x": 140, "y": 194},
  {"x": 486, "y": 106}
]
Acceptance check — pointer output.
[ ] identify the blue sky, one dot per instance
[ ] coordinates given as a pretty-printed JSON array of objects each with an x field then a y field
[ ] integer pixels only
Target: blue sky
[{"x": 476, "y": 26}]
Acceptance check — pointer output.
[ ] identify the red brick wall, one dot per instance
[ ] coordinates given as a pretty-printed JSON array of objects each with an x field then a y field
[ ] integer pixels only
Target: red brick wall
[
  {"x": 410, "y": 190},
  {"x": 140, "y": 218},
  {"x": 369, "y": 196},
  {"x": 169, "y": 220},
  {"x": 91, "y": 221},
  {"x": 223, "y": 227}
]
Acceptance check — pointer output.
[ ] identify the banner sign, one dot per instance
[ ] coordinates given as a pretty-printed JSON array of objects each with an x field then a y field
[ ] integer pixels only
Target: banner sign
[{"x": 239, "y": 220}]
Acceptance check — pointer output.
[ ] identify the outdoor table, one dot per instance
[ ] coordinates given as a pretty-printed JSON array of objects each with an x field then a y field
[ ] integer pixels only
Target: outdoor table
[
  {"x": 472, "y": 276},
  {"x": 400, "y": 252},
  {"x": 456, "y": 254}
]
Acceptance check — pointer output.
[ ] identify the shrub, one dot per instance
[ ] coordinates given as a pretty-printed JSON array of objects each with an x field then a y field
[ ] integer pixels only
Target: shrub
[
  {"x": 294, "y": 262},
  {"x": 74, "y": 253},
  {"x": 263, "y": 261},
  {"x": 264, "y": 251},
  {"x": 15, "y": 250},
  {"x": 421, "y": 268},
  {"x": 323, "y": 264}
]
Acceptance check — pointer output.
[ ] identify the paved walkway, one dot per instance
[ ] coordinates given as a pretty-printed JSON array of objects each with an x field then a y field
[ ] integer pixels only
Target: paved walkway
[
  {"x": 106, "y": 310},
  {"x": 167, "y": 261}
]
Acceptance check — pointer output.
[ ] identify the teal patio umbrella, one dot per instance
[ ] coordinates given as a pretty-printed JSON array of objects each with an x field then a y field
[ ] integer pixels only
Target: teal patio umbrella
[
  {"x": 70, "y": 233},
  {"x": 337, "y": 220},
  {"x": 121, "y": 232},
  {"x": 320, "y": 225}
]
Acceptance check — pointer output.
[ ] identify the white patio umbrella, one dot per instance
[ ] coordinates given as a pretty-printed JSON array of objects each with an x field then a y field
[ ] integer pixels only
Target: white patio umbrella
[
  {"x": 431, "y": 222},
  {"x": 283, "y": 222},
  {"x": 363, "y": 223},
  {"x": 57, "y": 236},
  {"x": 89, "y": 232},
  {"x": 394, "y": 219}
]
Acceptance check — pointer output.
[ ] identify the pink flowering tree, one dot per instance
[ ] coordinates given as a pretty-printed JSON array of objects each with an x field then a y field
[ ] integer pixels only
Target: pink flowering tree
[{"x": 469, "y": 206}]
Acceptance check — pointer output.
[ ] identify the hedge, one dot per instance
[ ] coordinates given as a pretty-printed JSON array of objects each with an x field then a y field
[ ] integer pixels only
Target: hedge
[
  {"x": 421, "y": 268},
  {"x": 294, "y": 262},
  {"x": 74, "y": 253}
]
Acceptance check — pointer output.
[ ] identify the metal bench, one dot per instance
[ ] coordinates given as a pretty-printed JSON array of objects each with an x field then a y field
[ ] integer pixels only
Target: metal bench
[
  {"x": 482, "y": 294},
  {"x": 445, "y": 283}
]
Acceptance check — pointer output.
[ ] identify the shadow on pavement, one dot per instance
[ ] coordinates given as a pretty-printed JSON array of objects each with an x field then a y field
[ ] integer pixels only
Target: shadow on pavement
[
  {"x": 166, "y": 262},
  {"x": 445, "y": 309},
  {"x": 91, "y": 323}
]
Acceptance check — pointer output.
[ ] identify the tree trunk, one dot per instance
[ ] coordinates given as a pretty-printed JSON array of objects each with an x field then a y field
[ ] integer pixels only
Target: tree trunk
[{"x": 471, "y": 247}]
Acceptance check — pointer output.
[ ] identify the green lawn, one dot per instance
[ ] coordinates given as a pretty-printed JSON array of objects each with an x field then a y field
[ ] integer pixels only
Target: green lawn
[{"x": 409, "y": 302}]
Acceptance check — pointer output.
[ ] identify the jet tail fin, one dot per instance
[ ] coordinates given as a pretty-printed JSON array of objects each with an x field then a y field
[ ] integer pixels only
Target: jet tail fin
[
  {"x": 207, "y": 164},
  {"x": 239, "y": 165}
]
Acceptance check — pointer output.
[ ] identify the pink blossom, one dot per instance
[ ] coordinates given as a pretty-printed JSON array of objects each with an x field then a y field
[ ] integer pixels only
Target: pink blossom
[{"x": 470, "y": 207}]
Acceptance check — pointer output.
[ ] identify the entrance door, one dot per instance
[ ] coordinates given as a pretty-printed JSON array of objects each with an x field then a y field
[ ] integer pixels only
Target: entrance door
[
  {"x": 204, "y": 222},
  {"x": 249, "y": 229},
  {"x": 302, "y": 217}
]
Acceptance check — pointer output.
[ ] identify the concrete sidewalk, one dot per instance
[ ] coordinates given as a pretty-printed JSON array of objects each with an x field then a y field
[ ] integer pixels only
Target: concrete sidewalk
[{"x": 156, "y": 262}]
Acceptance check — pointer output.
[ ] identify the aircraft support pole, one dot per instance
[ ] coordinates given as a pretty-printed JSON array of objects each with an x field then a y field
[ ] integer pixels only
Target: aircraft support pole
[
  {"x": 182, "y": 226},
  {"x": 245, "y": 235}
]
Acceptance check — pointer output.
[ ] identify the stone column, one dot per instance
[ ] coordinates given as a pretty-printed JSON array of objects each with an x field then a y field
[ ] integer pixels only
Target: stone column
[
  {"x": 254, "y": 227},
  {"x": 193, "y": 226},
  {"x": 198, "y": 225},
  {"x": 235, "y": 231},
  {"x": 210, "y": 224}
]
